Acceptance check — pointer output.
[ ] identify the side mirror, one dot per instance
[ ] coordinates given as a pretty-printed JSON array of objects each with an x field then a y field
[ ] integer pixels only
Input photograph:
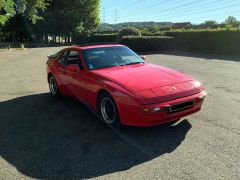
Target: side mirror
[
  {"x": 144, "y": 58},
  {"x": 72, "y": 68}
]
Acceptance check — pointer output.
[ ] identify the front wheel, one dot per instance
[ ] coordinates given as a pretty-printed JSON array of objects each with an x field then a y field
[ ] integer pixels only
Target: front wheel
[{"x": 108, "y": 110}]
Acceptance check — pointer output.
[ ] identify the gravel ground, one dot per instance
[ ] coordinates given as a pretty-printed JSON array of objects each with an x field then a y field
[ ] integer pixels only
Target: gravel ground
[{"x": 46, "y": 138}]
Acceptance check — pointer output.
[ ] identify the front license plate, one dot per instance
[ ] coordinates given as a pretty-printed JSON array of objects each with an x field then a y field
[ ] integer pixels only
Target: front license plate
[{"x": 181, "y": 106}]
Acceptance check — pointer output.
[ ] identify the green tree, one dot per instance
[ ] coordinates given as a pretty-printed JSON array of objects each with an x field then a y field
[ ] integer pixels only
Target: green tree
[
  {"x": 59, "y": 18},
  {"x": 6, "y": 10},
  {"x": 71, "y": 18},
  {"x": 210, "y": 23},
  {"x": 30, "y": 9},
  {"x": 21, "y": 17},
  {"x": 232, "y": 21}
]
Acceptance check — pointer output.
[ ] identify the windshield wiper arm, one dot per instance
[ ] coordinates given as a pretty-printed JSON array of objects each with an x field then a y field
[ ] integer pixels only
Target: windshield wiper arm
[
  {"x": 133, "y": 63},
  {"x": 107, "y": 66}
]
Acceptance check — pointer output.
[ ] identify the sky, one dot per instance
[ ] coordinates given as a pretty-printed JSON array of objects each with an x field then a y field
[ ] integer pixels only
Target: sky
[{"x": 194, "y": 11}]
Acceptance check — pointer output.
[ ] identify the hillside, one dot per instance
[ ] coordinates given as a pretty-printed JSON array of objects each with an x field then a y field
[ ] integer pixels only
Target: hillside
[{"x": 110, "y": 27}]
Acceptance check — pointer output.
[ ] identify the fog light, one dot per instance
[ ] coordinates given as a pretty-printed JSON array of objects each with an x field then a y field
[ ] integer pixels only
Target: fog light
[
  {"x": 156, "y": 109},
  {"x": 204, "y": 94},
  {"x": 202, "y": 97}
]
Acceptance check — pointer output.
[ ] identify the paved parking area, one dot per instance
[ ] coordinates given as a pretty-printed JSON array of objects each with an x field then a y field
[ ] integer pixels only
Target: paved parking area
[{"x": 46, "y": 138}]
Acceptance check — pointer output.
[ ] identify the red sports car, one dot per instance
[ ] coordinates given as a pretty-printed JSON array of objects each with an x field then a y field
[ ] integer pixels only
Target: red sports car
[{"x": 122, "y": 87}]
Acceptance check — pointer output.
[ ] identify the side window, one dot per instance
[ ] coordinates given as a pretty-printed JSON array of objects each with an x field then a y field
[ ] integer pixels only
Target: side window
[
  {"x": 62, "y": 59},
  {"x": 73, "y": 57}
]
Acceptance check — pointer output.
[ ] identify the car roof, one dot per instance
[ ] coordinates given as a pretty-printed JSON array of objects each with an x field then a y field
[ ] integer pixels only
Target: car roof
[{"x": 92, "y": 46}]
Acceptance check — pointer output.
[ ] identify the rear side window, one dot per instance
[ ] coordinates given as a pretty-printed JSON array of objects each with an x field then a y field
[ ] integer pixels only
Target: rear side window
[
  {"x": 73, "y": 57},
  {"x": 62, "y": 59}
]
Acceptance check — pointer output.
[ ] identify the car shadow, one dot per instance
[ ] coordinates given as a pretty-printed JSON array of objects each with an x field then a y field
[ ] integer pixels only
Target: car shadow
[{"x": 48, "y": 138}]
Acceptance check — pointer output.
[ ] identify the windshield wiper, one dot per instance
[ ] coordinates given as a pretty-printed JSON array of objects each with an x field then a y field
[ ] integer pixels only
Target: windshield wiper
[
  {"x": 107, "y": 66},
  {"x": 132, "y": 63}
]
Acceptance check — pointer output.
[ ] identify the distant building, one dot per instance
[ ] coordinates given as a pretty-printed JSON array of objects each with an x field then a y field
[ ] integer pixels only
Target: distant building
[{"x": 182, "y": 25}]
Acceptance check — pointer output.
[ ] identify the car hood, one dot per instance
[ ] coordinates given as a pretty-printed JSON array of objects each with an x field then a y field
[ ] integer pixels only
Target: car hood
[{"x": 144, "y": 76}]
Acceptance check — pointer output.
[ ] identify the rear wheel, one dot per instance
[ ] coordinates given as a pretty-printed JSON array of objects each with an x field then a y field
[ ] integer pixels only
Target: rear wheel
[
  {"x": 108, "y": 110},
  {"x": 53, "y": 87}
]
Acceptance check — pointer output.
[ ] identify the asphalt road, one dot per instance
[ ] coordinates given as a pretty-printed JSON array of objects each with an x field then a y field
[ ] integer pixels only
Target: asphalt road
[{"x": 46, "y": 138}]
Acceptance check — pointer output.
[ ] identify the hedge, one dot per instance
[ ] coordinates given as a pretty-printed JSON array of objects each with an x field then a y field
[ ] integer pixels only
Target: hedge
[
  {"x": 147, "y": 43},
  {"x": 220, "y": 42},
  {"x": 104, "y": 38},
  {"x": 216, "y": 42},
  {"x": 153, "y": 34}
]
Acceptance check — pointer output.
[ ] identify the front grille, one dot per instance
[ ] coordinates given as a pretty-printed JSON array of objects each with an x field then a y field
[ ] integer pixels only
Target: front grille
[{"x": 181, "y": 107}]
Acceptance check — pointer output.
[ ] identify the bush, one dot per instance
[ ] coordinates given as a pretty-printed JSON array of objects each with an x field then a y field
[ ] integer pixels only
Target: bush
[
  {"x": 147, "y": 43},
  {"x": 104, "y": 38},
  {"x": 129, "y": 32},
  {"x": 216, "y": 41},
  {"x": 153, "y": 34},
  {"x": 220, "y": 41}
]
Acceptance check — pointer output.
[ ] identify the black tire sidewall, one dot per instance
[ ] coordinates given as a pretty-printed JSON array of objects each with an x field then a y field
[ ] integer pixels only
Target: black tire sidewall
[
  {"x": 57, "y": 94},
  {"x": 116, "y": 122}
]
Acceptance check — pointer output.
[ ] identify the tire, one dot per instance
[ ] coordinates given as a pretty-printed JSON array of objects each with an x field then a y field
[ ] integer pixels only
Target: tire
[
  {"x": 53, "y": 87},
  {"x": 108, "y": 110}
]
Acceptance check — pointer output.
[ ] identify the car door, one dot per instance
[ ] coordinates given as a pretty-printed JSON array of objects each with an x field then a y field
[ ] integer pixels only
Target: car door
[
  {"x": 60, "y": 66},
  {"x": 75, "y": 78}
]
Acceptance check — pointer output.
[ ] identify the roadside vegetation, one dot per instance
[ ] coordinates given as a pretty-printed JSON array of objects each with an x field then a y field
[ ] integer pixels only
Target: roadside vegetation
[
  {"x": 55, "y": 22},
  {"x": 47, "y": 21}
]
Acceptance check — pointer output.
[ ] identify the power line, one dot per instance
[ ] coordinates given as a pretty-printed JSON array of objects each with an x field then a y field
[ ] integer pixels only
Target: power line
[
  {"x": 169, "y": 15},
  {"x": 219, "y": 15},
  {"x": 202, "y": 7},
  {"x": 211, "y": 6},
  {"x": 116, "y": 16},
  {"x": 130, "y": 5},
  {"x": 147, "y": 8},
  {"x": 172, "y": 8},
  {"x": 204, "y": 11},
  {"x": 153, "y": 6}
]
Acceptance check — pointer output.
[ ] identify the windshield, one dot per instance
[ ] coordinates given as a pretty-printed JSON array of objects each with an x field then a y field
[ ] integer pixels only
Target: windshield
[{"x": 99, "y": 58}]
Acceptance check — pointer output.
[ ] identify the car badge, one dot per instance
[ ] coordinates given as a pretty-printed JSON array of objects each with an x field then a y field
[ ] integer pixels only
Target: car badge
[{"x": 174, "y": 88}]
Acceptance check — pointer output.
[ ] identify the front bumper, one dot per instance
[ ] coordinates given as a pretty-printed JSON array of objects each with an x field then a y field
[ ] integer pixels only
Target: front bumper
[{"x": 135, "y": 117}]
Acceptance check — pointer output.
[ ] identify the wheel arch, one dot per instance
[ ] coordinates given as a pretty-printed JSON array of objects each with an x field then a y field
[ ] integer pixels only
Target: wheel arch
[
  {"x": 49, "y": 75},
  {"x": 108, "y": 92},
  {"x": 100, "y": 92}
]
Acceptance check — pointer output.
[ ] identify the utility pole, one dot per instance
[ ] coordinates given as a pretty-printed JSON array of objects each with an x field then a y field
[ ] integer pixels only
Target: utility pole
[
  {"x": 104, "y": 18},
  {"x": 104, "y": 15},
  {"x": 115, "y": 17}
]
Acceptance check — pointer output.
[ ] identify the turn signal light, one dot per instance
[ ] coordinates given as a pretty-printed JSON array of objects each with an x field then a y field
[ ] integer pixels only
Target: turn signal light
[
  {"x": 151, "y": 110},
  {"x": 145, "y": 110}
]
